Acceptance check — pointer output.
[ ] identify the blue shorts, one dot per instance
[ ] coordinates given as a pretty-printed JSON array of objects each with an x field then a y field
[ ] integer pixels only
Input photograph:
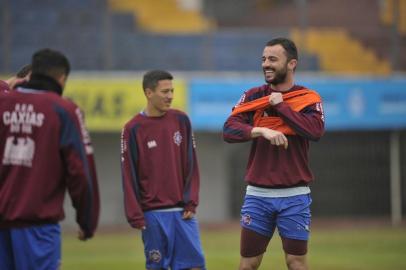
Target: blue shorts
[
  {"x": 32, "y": 248},
  {"x": 171, "y": 242},
  {"x": 291, "y": 215}
]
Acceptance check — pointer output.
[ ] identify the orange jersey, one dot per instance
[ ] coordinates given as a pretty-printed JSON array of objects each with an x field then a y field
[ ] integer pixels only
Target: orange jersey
[{"x": 297, "y": 100}]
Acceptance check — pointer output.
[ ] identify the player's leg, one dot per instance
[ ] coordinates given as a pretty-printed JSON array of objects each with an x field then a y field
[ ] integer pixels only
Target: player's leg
[
  {"x": 188, "y": 252},
  {"x": 252, "y": 248},
  {"x": 257, "y": 228},
  {"x": 6, "y": 251},
  {"x": 158, "y": 247},
  {"x": 295, "y": 262},
  {"x": 293, "y": 223},
  {"x": 37, "y": 247}
]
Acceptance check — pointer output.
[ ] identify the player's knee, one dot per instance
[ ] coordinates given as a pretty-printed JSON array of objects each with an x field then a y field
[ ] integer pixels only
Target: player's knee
[
  {"x": 249, "y": 263},
  {"x": 296, "y": 262}
]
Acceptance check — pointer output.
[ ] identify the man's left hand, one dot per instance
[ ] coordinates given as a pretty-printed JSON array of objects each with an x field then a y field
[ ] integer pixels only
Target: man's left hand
[
  {"x": 188, "y": 214},
  {"x": 82, "y": 235}
]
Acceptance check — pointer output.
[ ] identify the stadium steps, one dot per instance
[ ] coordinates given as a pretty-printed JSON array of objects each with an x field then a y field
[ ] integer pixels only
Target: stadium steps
[
  {"x": 338, "y": 52},
  {"x": 163, "y": 16}
]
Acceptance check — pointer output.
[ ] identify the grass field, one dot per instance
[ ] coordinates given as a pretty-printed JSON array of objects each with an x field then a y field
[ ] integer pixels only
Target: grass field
[{"x": 331, "y": 248}]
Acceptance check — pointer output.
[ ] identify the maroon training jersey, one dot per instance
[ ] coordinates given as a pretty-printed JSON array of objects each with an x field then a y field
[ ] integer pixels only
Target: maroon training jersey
[
  {"x": 159, "y": 165},
  {"x": 269, "y": 165},
  {"x": 45, "y": 150}
]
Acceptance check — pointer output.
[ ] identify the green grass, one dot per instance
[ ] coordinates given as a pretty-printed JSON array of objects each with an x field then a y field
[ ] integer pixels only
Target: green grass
[{"x": 329, "y": 249}]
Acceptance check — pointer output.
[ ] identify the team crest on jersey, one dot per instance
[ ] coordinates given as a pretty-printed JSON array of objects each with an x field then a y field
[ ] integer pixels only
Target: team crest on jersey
[
  {"x": 177, "y": 138},
  {"x": 246, "y": 219},
  {"x": 155, "y": 255}
]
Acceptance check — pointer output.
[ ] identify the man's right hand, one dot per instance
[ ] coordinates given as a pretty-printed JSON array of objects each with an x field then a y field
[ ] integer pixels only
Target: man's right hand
[
  {"x": 13, "y": 81},
  {"x": 82, "y": 235},
  {"x": 141, "y": 228},
  {"x": 275, "y": 137}
]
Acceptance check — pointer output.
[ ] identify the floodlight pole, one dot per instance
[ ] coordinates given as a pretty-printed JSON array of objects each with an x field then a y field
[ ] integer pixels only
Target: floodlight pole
[
  {"x": 395, "y": 36},
  {"x": 303, "y": 27},
  {"x": 395, "y": 179}
]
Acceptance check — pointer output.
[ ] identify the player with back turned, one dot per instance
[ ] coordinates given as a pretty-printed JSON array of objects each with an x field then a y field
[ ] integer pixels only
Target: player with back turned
[
  {"x": 45, "y": 151},
  {"x": 280, "y": 118}
]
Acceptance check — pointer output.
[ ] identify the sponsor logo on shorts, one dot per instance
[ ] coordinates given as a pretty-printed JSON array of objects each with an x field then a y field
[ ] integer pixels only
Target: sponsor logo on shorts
[
  {"x": 305, "y": 227},
  {"x": 154, "y": 256},
  {"x": 246, "y": 219}
]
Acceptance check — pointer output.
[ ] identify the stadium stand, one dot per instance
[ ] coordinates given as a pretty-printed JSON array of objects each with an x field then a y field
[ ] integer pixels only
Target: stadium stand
[
  {"x": 126, "y": 35},
  {"x": 361, "y": 20},
  {"x": 173, "y": 17},
  {"x": 340, "y": 53}
]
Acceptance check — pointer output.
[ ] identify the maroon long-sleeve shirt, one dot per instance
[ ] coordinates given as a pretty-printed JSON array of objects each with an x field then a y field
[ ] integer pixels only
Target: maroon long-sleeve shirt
[
  {"x": 45, "y": 151},
  {"x": 159, "y": 165},
  {"x": 273, "y": 166}
]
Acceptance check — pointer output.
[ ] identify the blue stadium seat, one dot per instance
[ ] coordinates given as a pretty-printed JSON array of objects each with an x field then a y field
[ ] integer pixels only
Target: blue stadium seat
[{"x": 77, "y": 27}]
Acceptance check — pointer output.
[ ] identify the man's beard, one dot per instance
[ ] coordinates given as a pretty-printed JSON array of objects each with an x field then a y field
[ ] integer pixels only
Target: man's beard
[{"x": 279, "y": 77}]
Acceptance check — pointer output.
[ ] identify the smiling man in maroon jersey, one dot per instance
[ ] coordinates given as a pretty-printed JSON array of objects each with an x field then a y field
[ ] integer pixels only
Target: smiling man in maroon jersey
[
  {"x": 161, "y": 179},
  {"x": 280, "y": 118}
]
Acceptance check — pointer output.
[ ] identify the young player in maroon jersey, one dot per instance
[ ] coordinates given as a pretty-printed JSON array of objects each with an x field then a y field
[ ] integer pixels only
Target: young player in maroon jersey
[
  {"x": 45, "y": 151},
  {"x": 280, "y": 118},
  {"x": 161, "y": 179}
]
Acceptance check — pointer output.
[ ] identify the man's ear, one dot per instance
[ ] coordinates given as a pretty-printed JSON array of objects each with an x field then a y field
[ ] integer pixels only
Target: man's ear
[
  {"x": 62, "y": 80},
  {"x": 148, "y": 92},
  {"x": 292, "y": 64}
]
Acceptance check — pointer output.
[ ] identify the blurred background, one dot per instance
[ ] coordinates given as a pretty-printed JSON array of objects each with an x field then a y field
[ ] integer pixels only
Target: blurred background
[{"x": 352, "y": 52}]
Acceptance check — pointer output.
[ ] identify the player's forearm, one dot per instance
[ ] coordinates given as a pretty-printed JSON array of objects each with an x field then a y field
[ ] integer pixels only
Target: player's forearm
[
  {"x": 235, "y": 132},
  {"x": 306, "y": 124},
  {"x": 257, "y": 132}
]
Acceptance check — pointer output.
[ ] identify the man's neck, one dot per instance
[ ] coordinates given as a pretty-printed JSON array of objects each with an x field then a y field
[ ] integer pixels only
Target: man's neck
[
  {"x": 151, "y": 112},
  {"x": 283, "y": 87}
]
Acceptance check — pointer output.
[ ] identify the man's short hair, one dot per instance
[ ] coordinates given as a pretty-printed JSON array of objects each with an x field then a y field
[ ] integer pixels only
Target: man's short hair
[
  {"x": 151, "y": 78},
  {"x": 288, "y": 45},
  {"x": 50, "y": 62},
  {"x": 24, "y": 71}
]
